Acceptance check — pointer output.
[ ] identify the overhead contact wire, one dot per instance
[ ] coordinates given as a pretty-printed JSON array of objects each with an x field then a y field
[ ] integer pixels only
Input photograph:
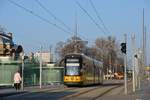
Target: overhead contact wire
[
  {"x": 40, "y": 17},
  {"x": 98, "y": 16},
  {"x": 90, "y": 17}
]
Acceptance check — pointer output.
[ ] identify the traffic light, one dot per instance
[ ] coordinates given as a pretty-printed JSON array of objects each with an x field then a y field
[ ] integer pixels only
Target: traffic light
[
  {"x": 123, "y": 48},
  {"x": 136, "y": 56}
]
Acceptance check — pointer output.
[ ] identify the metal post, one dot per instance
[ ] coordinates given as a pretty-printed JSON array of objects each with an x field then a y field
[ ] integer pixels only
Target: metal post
[
  {"x": 40, "y": 68},
  {"x": 140, "y": 65},
  {"x": 22, "y": 61},
  {"x": 50, "y": 53},
  {"x": 125, "y": 68},
  {"x": 116, "y": 71},
  {"x": 107, "y": 73},
  {"x": 136, "y": 69},
  {"x": 133, "y": 61},
  {"x": 110, "y": 69},
  {"x": 143, "y": 45},
  {"x": 145, "y": 54}
]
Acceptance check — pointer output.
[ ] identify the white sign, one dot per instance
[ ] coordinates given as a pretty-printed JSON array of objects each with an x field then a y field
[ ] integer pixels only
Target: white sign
[{"x": 72, "y": 64}]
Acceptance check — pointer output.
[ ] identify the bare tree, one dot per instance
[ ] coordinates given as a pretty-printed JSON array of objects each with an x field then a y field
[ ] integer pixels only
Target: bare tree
[
  {"x": 74, "y": 44},
  {"x": 107, "y": 51}
]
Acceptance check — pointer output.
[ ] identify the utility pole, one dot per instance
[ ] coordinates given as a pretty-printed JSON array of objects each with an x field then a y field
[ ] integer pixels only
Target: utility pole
[
  {"x": 125, "y": 67},
  {"x": 145, "y": 53},
  {"x": 143, "y": 46},
  {"x": 133, "y": 61},
  {"x": 76, "y": 33},
  {"x": 40, "y": 68},
  {"x": 145, "y": 62}
]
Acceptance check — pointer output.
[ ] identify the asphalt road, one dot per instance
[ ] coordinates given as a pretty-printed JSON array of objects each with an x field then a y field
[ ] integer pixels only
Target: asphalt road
[
  {"x": 111, "y": 90},
  {"x": 71, "y": 93}
]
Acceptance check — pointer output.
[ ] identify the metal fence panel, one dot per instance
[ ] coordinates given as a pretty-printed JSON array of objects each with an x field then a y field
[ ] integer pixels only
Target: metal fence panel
[
  {"x": 52, "y": 75},
  {"x": 49, "y": 75},
  {"x": 7, "y": 72},
  {"x": 31, "y": 74}
]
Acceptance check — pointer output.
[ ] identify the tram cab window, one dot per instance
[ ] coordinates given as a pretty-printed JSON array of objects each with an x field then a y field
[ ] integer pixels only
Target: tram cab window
[
  {"x": 72, "y": 70},
  {"x": 72, "y": 67}
]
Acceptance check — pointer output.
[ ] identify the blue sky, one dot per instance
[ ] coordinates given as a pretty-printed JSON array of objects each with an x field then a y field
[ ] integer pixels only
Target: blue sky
[{"x": 120, "y": 16}]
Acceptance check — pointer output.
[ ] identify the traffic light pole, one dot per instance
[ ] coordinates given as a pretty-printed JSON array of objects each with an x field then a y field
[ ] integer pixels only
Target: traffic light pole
[{"x": 125, "y": 68}]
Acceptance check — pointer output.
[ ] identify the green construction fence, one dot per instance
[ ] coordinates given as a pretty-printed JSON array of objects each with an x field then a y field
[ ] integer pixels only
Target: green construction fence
[
  {"x": 7, "y": 71},
  {"x": 31, "y": 74}
]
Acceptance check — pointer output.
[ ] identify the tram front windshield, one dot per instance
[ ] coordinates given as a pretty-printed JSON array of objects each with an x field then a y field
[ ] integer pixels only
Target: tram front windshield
[{"x": 72, "y": 67}]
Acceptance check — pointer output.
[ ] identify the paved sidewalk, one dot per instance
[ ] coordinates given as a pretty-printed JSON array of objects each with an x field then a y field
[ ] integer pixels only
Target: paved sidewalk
[
  {"x": 11, "y": 91},
  {"x": 118, "y": 94}
]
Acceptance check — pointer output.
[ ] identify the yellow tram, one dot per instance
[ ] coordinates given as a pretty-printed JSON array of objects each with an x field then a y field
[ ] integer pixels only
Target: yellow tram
[{"x": 82, "y": 70}]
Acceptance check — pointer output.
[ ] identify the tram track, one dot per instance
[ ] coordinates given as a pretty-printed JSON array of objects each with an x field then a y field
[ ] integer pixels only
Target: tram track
[
  {"x": 105, "y": 92},
  {"x": 86, "y": 92},
  {"x": 52, "y": 90},
  {"x": 78, "y": 94},
  {"x": 71, "y": 93}
]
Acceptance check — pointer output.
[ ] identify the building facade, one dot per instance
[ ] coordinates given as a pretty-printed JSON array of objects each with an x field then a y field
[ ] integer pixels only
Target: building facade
[{"x": 47, "y": 57}]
